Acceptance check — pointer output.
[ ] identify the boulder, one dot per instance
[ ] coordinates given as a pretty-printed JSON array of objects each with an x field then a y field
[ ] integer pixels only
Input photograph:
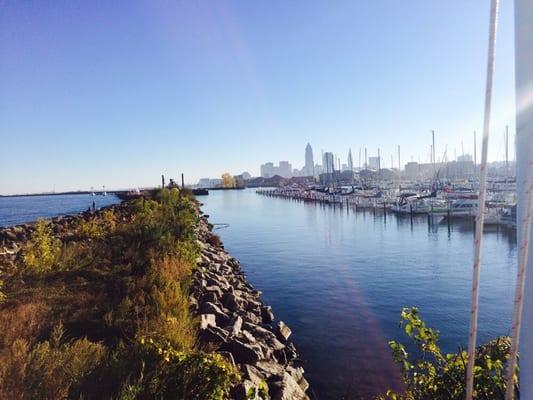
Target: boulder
[
  {"x": 283, "y": 331},
  {"x": 208, "y": 297},
  {"x": 213, "y": 289},
  {"x": 269, "y": 368},
  {"x": 237, "y": 326},
  {"x": 298, "y": 375},
  {"x": 253, "y": 374},
  {"x": 266, "y": 314},
  {"x": 264, "y": 335},
  {"x": 286, "y": 389},
  {"x": 231, "y": 301},
  {"x": 213, "y": 334},
  {"x": 243, "y": 353},
  {"x": 207, "y": 320},
  {"x": 10, "y": 235},
  {"x": 222, "y": 318}
]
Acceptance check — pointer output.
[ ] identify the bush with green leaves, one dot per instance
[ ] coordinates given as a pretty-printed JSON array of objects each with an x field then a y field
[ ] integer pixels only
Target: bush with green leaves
[
  {"x": 179, "y": 374},
  {"x": 438, "y": 376},
  {"x": 42, "y": 250}
]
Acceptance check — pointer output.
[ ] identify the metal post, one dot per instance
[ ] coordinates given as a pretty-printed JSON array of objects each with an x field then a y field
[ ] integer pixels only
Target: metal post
[{"x": 182, "y": 182}]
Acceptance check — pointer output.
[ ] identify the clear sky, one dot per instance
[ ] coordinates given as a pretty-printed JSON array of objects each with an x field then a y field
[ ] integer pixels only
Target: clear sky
[{"x": 116, "y": 93}]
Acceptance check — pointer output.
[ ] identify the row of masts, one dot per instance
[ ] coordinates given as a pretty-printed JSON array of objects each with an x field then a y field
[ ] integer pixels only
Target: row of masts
[{"x": 432, "y": 155}]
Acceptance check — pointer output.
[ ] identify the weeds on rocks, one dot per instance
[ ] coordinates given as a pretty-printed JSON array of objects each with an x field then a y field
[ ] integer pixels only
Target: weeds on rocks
[{"x": 80, "y": 310}]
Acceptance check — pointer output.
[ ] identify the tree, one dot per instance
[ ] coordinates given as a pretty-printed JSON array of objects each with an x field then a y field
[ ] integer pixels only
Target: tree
[
  {"x": 228, "y": 181},
  {"x": 439, "y": 376}
]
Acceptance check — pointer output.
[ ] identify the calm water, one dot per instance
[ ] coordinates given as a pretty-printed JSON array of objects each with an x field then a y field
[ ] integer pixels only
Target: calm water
[
  {"x": 18, "y": 210},
  {"x": 340, "y": 278}
]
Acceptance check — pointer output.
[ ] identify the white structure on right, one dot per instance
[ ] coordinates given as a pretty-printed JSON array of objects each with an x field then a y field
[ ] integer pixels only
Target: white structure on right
[{"x": 524, "y": 140}]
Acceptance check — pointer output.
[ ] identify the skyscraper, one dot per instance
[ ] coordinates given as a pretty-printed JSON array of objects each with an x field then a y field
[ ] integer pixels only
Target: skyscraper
[
  {"x": 309, "y": 168},
  {"x": 328, "y": 163},
  {"x": 350, "y": 160}
]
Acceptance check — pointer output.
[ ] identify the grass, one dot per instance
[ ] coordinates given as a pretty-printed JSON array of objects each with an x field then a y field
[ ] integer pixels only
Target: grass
[{"x": 105, "y": 313}]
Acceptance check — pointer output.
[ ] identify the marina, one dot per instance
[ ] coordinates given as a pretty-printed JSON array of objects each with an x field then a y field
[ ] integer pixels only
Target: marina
[
  {"x": 438, "y": 202},
  {"x": 340, "y": 277}
]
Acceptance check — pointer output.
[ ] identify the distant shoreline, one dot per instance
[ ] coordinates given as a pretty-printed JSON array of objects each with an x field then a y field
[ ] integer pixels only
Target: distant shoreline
[{"x": 61, "y": 193}]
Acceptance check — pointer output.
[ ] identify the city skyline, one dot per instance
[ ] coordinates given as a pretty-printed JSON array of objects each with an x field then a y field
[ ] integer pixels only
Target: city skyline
[
  {"x": 330, "y": 162},
  {"x": 119, "y": 95}
]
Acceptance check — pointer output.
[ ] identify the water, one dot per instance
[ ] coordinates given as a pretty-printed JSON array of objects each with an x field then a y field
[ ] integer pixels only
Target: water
[
  {"x": 340, "y": 278},
  {"x": 21, "y": 209}
]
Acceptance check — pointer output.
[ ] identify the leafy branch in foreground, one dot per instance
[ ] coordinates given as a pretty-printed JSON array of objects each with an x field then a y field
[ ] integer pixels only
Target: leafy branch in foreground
[{"x": 440, "y": 376}]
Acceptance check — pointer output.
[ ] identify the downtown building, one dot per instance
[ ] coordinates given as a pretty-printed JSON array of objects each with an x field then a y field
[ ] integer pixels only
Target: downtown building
[{"x": 284, "y": 169}]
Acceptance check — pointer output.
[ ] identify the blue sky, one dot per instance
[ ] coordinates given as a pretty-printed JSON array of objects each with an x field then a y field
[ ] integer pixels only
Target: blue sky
[{"x": 117, "y": 93}]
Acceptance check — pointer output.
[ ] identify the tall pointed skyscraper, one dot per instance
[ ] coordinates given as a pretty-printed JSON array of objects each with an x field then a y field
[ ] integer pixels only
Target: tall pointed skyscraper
[
  {"x": 309, "y": 167},
  {"x": 350, "y": 160}
]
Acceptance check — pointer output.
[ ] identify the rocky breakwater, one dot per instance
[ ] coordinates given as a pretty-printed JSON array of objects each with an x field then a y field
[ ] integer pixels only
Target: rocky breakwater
[{"x": 234, "y": 321}]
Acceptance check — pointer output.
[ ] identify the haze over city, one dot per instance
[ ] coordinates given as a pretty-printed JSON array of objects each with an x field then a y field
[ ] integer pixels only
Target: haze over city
[{"x": 119, "y": 95}]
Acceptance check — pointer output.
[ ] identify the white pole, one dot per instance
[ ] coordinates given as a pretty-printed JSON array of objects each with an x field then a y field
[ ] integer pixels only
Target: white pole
[
  {"x": 481, "y": 207},
  {"x": 522, "y": 328},
  {"x": 525, "y": 226}
]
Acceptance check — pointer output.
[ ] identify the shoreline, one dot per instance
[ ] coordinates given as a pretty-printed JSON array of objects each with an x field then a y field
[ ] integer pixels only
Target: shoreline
[{"x": 232, "y": 318}]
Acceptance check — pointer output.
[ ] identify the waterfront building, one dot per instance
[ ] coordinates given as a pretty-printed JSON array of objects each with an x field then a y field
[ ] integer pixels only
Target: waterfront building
[
  {"x": 268, "y": 170},
  {"x": 285, "y": 169},
  {"x": 464, "y": 158},
  {"x": 209, "y": 183},
  {"x": 350, "y": 160},
  {"x": 447, "y": 170}
]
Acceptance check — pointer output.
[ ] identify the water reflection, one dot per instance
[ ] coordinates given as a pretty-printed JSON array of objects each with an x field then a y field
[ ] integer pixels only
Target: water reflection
[{"x": 339, "y": 277}]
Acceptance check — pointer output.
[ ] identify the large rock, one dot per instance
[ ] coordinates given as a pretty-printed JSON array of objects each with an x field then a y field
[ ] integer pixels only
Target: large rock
[
  {"x": 222, "y": 318},
  {"x": 231, "y": 301},
  {"x": 269, "y": 368},
  {"x": 243, "y": 353},
  {"x": 286, "y": 389},
  {"x": 267, "y": 314},
  {"x": 283, "y": 331},
  {"x": 207, "y": 320},
  {"x": 298, "y": 375},
  {"x": 213, "y": 334},
  {"x": 237, "y": 326},
  {"x": 265, "y": 336}
]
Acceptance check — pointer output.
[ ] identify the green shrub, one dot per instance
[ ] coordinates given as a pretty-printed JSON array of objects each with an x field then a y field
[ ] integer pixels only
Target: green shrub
[
  {"x": 185, "y": 375},
  {"x": 42, "y": 250},
  {"x": 441, "y": 376}
]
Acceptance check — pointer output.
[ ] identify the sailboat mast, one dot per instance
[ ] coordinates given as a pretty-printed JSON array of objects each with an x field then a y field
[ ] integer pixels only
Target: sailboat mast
[
  {"x": 433, "y": 147},
  {"x": 475, "y": 153},
  {"x": 506, "y": 152}
]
